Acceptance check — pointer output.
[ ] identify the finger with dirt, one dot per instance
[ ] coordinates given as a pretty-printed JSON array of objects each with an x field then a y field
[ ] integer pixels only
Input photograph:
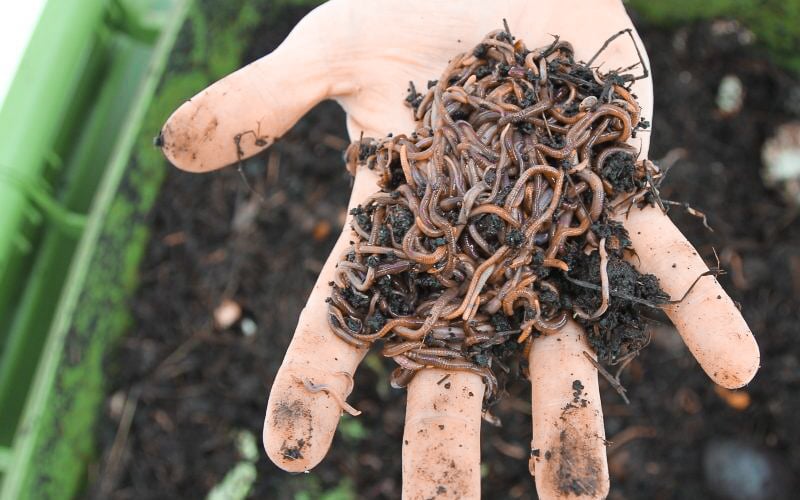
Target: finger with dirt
[
  {"x": 245, "y": 112},
  {"x": 568, "y": 451},
  {"x": 707, "y": 319},
  {"x": 441, "y": 442},
  {"x": 316, "y": 376}
]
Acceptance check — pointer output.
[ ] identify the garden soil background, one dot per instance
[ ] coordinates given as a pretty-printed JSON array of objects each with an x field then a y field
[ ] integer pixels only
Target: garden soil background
[{"x": 214, "y": 238}]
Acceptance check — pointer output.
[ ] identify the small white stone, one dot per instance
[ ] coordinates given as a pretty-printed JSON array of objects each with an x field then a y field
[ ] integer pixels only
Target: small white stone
[
  {"x": 227, "y": 313},
  {"x": 116, "y": 404},
  {"x": 781, "y": 157},
  {"x": 730, "y": 95},
  {"x": 249, "y": 327}
]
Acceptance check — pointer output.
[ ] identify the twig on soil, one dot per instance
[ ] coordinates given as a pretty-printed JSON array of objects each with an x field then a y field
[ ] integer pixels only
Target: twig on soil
[
  {"x": 625, "y": 436},
  {"x": 115, "y": 456},
  {"x": 691, "y": 211},
  {"x": 615, "y": 383}
]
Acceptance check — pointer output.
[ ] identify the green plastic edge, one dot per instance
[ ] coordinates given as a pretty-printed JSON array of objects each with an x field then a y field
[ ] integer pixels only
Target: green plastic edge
[
  {"x": 217, "y": 34},
  {"x": 79, "y": 181},
  {"x": 43, "y": 421},
  {"x": 34, "y": 110}
]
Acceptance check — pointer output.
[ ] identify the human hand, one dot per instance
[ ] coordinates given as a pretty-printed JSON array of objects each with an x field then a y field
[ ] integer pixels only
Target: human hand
[{"x": 363, "y": 55}]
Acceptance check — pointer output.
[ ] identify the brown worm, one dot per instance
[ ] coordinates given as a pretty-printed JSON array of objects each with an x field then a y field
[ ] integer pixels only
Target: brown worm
[{"x": 314, "y": 388}]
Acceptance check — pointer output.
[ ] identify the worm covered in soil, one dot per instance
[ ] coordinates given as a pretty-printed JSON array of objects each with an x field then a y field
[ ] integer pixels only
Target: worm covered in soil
[{"x": 493, "y": 223}]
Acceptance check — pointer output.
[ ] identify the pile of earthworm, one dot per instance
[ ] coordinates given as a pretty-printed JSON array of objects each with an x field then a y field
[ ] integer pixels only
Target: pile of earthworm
[{"x": 493, "y": 224}]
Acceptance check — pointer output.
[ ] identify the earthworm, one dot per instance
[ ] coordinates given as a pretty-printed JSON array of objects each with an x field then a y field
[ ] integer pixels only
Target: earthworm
[
  {"x": 603, "y": 156},
  {"x": 433, "y": 315},
  {"x": 598, "y": 195},
  {"x": 336, "y": 328},
  {"x": 420, "y": 256},
  {"x": 604, "y": 290},
  {"x": 478, "y": 239},
  {"x": 314, "y": 388},
  {"x": 372, "y": 303},
  {"x": 441, "y": 352},
  {"x": 469, "y": 200},
  {"x": 468, "y": 245},
  {"x": 563, "y": 233},
  {"x": 358, "y": 229},
  {"x": 633, "y": 106},
  {"x": 594, "y": 139},
  {"x": 519, "y": 292},
  {"x": 406, "y": 363},
  {"x": 458, "y": 184},
  {"x": 339, "y": 301},
  {"x": 524, "y": 114},
  {"x": 436, "y": 361},
  {"x": 513, "y": 199},
  {"x": 434, "y": 215},
  {"x": 552, "y": 325},
  {"x": 470, "y": 301},
  {"x": 406, "y": 166},
  {"x": 400, "y": 266},
  {"x": 497, "y": 301},
  {"x": 401, "y": 377},
  {"x": 343, "y": 267},
  {"x": 566, "y": 119},
  {"x": 507, "y": 146},
  {"x": 501, "y": 212},
  {"x": 424, "y": 221},
  {"x": 392, "y": 350},
  {"x": 447, "y": 333},
  {"x": 388, "y": 327},
  {"x": 526, "y": 329},
  {"x": 478, "y": 280},
  {"x": 364, "y": 285},
  {"x": 359, "y": 248}
]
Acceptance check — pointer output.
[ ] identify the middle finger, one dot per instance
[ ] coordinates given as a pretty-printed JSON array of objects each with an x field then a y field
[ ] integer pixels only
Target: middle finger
[{"x": 568, "y": 451}]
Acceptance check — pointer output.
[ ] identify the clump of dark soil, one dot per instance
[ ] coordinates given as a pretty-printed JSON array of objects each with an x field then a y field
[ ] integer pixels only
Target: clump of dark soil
[{"x": 198, "y": 384}]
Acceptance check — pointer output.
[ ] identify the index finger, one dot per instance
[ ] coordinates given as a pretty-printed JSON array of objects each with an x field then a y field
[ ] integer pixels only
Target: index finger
[
  {"x": 707, "y": 318},
  {"x": 246, "y": 111}
]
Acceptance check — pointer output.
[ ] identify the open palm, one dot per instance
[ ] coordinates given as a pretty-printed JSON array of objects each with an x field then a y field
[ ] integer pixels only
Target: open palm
[{"x": 363, "y": 54}]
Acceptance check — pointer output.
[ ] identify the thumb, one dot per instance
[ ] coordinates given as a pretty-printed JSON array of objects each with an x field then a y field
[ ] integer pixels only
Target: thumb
[{"x": 248, "y": 110}]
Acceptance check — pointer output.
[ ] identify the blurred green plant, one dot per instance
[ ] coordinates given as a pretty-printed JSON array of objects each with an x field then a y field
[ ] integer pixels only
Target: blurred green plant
[
  {"x": 343, "y": 491},
  {"x": 239, "y": 480},
  {"x": 374, "y": 362},
  {"x": 352, "y": 430},
  {"x": 775, "y": 23}
]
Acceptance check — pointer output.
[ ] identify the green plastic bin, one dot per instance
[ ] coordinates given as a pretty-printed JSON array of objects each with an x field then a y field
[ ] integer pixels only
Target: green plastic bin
[{"x": 67, "y": 128}]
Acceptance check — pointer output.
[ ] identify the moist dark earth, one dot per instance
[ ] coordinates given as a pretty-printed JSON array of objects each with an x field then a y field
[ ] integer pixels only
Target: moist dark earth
[{"x": 214, "y": 238}]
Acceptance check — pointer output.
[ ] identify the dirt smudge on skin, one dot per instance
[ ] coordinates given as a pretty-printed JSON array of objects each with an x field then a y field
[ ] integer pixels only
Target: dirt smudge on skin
[
  {"x": 577, "y": 470},
  {"x": 177, "y": 142},
  {"x": 446, "y": 478},
  {"x": 293, "y": 420},
  {"x": 209, "y": 130},
  {"x": 293, "y": 452}
]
